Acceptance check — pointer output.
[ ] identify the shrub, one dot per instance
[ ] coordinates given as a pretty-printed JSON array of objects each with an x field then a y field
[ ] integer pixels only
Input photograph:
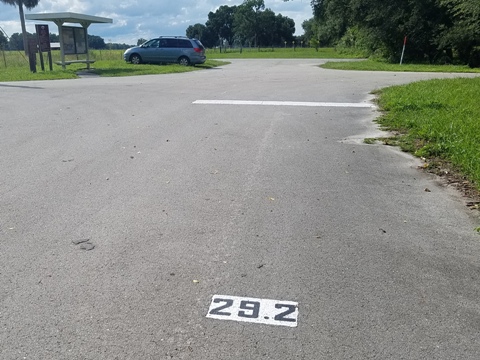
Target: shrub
[{"x": 474, "y": 60}]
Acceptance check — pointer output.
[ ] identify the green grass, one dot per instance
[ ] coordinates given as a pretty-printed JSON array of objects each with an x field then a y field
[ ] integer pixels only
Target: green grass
[
  {"x": 14, "y": 66},
  {"x": 121, "y": 68},
  {"x": 437, "y": 119},
  {"x": 371, "y": 65},
  {"x": 24, "y": 74},
  {"x": 277, "y": 53}
]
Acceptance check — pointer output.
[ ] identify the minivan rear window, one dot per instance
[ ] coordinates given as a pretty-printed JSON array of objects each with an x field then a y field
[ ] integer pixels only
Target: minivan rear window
[{"x": 199, "y": 44}]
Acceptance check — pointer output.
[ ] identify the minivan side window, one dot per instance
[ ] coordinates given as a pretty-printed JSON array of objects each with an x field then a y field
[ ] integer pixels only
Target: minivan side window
[
  {"x": 151, "y": 44},
  {"x": 171, "y": 43},
  {"x": 184, "y": 43}
]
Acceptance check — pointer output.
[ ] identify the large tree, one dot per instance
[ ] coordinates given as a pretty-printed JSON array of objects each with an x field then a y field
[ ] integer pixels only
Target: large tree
[
  {"x": 436, "y": 29},
  {"x": 284, "y": 28},
  {"x": 202, "y": 33},
  {"x": 266, "y": 28},
  {"x": 29, "y": 4},
  {"x": 386, "y": 23},
  {"x": 195, "y": 31},
  {"x": 247, "y": 20},
  {"x": 379, "y": 26},
  {"x": 96, "y": 42},
  {"x": 310, "y": 28},
  {"x": 220, "y": 23},
  {"x": 463, "y": 34}
]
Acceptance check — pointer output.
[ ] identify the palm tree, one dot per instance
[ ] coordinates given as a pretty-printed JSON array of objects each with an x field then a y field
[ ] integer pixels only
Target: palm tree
[{"x": 29, "y": 4}]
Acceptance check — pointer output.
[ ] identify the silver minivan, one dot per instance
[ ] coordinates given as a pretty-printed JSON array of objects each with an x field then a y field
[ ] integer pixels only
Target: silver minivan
[{"x": 167, "y": 49}]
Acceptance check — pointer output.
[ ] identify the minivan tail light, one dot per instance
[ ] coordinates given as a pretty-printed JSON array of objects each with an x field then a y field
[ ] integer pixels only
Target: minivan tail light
[{"x": 198, "y": 50}]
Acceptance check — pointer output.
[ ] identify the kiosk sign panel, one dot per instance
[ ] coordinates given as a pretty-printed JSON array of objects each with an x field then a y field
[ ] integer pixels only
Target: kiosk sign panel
[
  {"x": 43, "y": 37},
  {"x": 74, "y": 40}
]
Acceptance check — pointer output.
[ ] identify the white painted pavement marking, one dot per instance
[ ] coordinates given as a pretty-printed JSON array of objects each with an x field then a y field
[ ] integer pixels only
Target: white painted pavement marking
[
  {"x": 283, "y": 103},
  {"x": 260, "y": 311}
]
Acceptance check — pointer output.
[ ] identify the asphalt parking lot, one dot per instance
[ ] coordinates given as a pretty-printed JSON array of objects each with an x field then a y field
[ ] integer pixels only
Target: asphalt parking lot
[{"x": 231, "y": 213}]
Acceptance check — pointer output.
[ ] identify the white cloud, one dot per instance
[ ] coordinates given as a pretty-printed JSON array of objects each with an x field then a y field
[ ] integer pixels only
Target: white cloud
[{"x": 63, "y": 6}]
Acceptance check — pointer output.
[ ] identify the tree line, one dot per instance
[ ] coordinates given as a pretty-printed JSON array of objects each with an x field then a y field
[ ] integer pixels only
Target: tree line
[
  {"x": 248, "y": 24},
  {"x": 437, "y": 31}
]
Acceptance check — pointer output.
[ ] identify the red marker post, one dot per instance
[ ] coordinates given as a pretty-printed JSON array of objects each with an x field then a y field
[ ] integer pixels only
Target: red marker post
[{"x": 403, "y": 51}]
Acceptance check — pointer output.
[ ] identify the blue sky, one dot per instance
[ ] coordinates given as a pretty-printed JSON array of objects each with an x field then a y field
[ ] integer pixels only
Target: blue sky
[{"x": 134, "y": 19}]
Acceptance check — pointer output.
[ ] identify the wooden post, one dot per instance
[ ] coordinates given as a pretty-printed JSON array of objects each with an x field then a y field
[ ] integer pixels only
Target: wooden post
[
  {"x": 32, "y": 55},
  {"x": 42, "y": 64},
  {"x": 50, "y": 63}
]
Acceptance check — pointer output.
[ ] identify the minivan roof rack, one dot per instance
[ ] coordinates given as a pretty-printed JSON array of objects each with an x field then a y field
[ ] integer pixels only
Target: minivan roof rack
[{"x": 175, "y": 37}]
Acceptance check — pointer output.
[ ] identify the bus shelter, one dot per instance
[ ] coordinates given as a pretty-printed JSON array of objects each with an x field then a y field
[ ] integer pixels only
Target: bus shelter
[{"x": 64, "y": 33}]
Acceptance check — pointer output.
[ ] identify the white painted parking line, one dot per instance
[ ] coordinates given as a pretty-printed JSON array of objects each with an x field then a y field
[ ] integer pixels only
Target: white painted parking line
[
  {"x": 283, "y": 103},
  {"x": 260, "y": 311}
]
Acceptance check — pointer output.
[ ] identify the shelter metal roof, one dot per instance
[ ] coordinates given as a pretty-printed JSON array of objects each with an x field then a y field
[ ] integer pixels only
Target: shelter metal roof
[{"x": 69, "y": 17}]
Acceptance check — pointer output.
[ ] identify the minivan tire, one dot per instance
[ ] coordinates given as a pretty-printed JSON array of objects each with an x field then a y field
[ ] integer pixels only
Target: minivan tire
[
  {"x": 184, "y": 61},
  {"x": 135, "y": 59}
]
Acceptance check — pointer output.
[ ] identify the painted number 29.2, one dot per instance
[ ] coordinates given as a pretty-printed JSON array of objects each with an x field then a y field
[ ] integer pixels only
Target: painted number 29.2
[{"x": 264, "y": 311}]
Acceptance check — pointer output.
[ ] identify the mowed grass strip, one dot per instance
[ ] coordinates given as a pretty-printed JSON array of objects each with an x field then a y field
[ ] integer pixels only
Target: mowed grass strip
[
  {"x": 278, "y": 53},
  {"x": 439, "y": 119},
  {"x": 14, "y": 66},
  {"x": 371, "y": 65},
  {"x": 114, "y": 68}
]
